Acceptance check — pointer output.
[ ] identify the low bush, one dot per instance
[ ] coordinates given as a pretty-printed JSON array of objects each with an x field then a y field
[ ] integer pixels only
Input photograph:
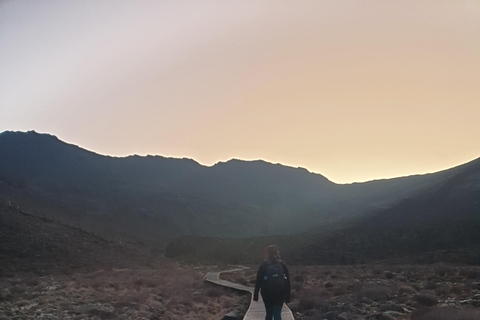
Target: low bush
[
  {"x": 241, "y": 281},
  {"x": 339, "y": 291},
  {"x": 297, "y": 286},
  {"x": 473, "y": 274},
  {"x": 18, "y": 289},
  {"x": 375, "y": 292},
  {"x": 312, "y": 299},
  {"x": 214, "y": 292},
  {"x": 405, "y": 290},
  {"x": 431, "y": 285},
  {"x": 446, "y": 313},
  {"x": 443, "y": 270},
  {"x": 200, "y": 298},
  {"x": 469, "y": 273},
  {"x": 426, "y": 299},
  {"x": 442, "y": 291},
  {"x": 140, "y": 282},
  {"x": 456, "y": 289},
  {"x": 32, "y": 281}
]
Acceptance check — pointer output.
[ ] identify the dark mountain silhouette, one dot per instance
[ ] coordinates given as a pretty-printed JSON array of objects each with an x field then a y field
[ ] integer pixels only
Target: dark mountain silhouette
[
  {"x": 41, "y": 245},
  {"x": 155, "y": 199},
  {"x": 437, "y": 223},
  {"x": 172, "y": 196},
  {"x": 442, "y": 220}
]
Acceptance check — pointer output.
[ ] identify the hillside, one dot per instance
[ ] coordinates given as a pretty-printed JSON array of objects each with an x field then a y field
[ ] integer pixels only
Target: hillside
[
  {"x": 41, "y": 245},
  {"x": 155, "y": 199},
  {"x": 437, "y": 224}
]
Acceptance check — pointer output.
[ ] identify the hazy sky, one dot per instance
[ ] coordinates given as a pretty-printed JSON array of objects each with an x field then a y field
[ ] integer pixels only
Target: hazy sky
[{"x": 354, "y": 90}]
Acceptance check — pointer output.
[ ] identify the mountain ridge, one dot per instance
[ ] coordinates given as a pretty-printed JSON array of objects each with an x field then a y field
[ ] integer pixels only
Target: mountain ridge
[
  {"x": 228, "y": 162},
  {"x": 170, "y": 197}
]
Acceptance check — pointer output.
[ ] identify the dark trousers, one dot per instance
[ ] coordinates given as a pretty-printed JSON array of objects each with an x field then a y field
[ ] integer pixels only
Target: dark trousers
[{"x": 274, "y": 310}]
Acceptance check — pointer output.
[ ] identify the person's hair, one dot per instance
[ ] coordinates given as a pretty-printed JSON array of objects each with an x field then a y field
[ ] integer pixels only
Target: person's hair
[{"x": 272, "y": 251}]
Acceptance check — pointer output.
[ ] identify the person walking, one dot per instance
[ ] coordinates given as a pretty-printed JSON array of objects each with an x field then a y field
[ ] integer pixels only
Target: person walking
[{"x": 274, "y": 281}]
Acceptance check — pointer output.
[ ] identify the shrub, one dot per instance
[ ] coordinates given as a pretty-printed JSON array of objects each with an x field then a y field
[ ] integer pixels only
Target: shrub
[
  {"x": 339, "y": 291},
  {"x": 242, "y": 281},
  {"x": 406, "y": 290},
  {"x": 126, "y": 304},
  {"x": 375, "y": 292},
  {"x": 115, "y": 286},
  {"x": 214, "y": 292},
  {"x": 101, "y": 314},
  {"x": 308, "y": 302},
  {"x": 446, "y": 313},
  {"x": 17, "y": 289},
  {"x": 297, "y": 286},
  {"x": 443, "y": 270},
  {"x": 426, "y": 299},
  {"x": 442, "y": 291},
  {"x": 312, "y": 299},
  {"x": 32, "y": 281},
  {"x": 376, "y": 271},
  {"x": 139, "y": 297},
  {"x": 200, "y": 298},
  {"x": 472, "y": 274},
  {"x": 139, "y": 282},
  {"x": 96, "y": 285},
  {"x": 431, "y": 285},
  {"x": 456, "y": 290},
  {"x": 469, "y": 273},
  {"x": 228, "y": 304}
]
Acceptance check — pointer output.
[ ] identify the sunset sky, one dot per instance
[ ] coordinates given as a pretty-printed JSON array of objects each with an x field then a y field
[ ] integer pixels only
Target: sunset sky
[{"x": 353, "y": 90}]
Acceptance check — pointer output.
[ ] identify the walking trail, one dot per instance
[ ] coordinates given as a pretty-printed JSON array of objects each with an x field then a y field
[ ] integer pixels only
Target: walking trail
[{"x": 256, "y": 311}]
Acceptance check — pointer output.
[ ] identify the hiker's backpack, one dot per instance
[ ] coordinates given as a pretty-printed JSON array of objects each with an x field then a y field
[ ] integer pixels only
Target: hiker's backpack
[{"x": 275, "y": 279}]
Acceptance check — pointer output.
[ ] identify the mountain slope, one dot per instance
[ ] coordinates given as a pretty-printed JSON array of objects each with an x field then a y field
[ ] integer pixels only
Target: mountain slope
[
  {"x": 439, "y": 223},
  {"x": 179, "y": 195},
  {"x": 156, "y": 198},
  {"x": 39, "y": 244}
]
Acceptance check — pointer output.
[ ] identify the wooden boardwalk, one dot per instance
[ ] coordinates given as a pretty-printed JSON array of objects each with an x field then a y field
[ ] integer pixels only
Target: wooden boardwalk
[{"x": 256, "y": 311}]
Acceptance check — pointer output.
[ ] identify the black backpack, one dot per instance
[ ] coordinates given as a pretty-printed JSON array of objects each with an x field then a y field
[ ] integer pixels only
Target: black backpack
[{"x": 276, "y": 280}]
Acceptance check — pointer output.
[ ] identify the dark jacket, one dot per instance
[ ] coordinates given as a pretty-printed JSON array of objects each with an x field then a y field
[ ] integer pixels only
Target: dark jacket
[{"x": 271, "y": 297}]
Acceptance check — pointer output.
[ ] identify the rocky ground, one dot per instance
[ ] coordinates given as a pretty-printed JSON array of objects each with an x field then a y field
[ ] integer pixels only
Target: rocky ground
[
  {"x": 170, "y": 293},
  {"x": 53, "y": 270},
  {"x": 50, "y": 269},
  {"x": 174, "y": 292},
  {"x": 433, "y": 292}
]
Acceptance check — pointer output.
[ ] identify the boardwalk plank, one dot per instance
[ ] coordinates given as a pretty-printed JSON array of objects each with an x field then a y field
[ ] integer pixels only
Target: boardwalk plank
[{"x": 256, "y": 311}]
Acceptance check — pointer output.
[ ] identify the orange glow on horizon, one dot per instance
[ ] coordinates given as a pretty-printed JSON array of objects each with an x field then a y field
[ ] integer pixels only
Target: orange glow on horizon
[{"x": 353, "y": 91}]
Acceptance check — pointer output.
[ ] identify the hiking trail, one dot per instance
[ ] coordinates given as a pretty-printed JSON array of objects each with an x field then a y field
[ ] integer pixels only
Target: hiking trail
[{"x": 256, "y": 311}]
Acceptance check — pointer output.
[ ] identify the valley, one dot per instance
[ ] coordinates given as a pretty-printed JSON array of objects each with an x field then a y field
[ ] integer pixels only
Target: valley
[{"x": 85, "y": 236}]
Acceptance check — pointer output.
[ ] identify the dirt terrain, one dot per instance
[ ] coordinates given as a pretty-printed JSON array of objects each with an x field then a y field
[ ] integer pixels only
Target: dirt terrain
[
  {"x": 50, "y": 269},
  {"x": 170, "y": 292},
  {"x": 386, "y": 292}
]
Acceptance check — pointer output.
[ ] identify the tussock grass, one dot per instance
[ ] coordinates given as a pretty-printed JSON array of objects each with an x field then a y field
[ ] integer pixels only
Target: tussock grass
[
  {"x": 446, "y": 313},
  {"x": 171, "y": 292}
]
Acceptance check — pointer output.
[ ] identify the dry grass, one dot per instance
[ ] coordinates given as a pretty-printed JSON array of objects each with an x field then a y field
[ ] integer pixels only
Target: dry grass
[
  {"x": 381, "y": 292},
  {"x": 376, "y": 292},
  {"x": 446, "y": 313},
  {"x": 173, "y": 292},
  {"x": 170, "y": 292}
]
